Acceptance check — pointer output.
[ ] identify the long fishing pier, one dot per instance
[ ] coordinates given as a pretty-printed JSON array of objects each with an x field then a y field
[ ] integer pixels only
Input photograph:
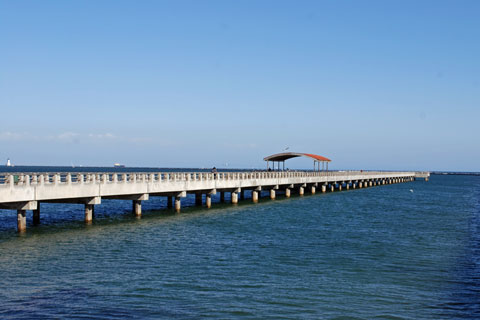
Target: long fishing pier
[{"x": 26, "y": 191}]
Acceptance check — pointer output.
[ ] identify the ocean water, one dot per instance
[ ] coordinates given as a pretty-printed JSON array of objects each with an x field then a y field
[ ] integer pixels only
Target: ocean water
[{"x": 404, "y": 251}]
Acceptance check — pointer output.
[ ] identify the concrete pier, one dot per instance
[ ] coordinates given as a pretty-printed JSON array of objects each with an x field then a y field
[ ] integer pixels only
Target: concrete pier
[{"x": 23, "y": 192}]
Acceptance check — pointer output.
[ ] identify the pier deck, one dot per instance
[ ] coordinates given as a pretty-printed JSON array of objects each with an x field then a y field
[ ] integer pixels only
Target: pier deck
[{"x": 25, "y": 191}]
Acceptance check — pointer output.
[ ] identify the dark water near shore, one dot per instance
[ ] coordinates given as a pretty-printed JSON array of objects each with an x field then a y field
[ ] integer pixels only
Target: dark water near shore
[{"x": 377, "y": 253}]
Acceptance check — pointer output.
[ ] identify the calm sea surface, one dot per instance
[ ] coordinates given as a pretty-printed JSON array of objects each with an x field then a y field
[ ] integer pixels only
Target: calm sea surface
[{"x": 377, "y": 253}]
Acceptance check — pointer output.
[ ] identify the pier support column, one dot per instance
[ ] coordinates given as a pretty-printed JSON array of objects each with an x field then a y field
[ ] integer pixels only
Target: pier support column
[
  {"x": 313, "y": 190},
  {"x": 198, "y": 199},
  {"x": 324, "y": 188},
  {"x": 272, "y": 194},
  {"x": 370, "y": 183},
  {"x": 360, "y": 185},
  {"x": 255, "y": 196},
  {"x": 208, "y": 200},
  {"x": 88, "y": 213},
  {"x": 234, "y": 197},
  {"x": 301, "y": 191},
  {"x": 222, "y": 196},
  {"x": 178, "y": 204},
  {"x": 287, "y": 193},
  {"x": 332, "y": 187},
  {"x": 169, "y": 202},
  {"x": 21, "y": 221},
  {"x": 347, "y": 186},
  {"x": 339, "y": 187},
  {"x": 137, "y": 208},
  {"x": 36, "y": 215},
  {"x": 354, "y": 185}
]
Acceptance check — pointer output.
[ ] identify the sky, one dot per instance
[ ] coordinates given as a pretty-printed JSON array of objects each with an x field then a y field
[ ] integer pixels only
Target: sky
[{"x": 390, "y": 85}]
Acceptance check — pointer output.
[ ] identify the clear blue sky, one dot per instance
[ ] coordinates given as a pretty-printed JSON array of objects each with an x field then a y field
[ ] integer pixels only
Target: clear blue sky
[{"x": 370, "y": 84}]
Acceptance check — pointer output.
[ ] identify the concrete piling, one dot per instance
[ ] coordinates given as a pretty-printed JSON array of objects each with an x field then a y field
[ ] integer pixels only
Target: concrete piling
[
  {"x": 234, "y": 197},
  {"x": 255, "y": 196},
  {"x": 208, "y": 200},
  {"x": 36, "y": 215},
  {"x": 88, "y": 213},
  {"x": 178, "y": 204},
  {"x": 272, "y": 194},
  {"x": 137, "y": 208},
  {"x": 313, "y": 190},
  {"x": 301, "y": 191},
  {"x": 324, "y": 188},
  {"x": 287, "y": 192},
  {"x": 21, "y": 221},
  {"x": 198, "y": 199}
]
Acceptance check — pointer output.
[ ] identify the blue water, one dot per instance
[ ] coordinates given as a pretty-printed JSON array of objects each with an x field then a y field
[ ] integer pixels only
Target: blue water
[{"x": 378, "y": 253}]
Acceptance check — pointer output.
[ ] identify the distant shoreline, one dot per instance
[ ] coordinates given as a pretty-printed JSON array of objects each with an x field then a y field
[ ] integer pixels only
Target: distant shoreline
[{"x": 447, "y": 173}]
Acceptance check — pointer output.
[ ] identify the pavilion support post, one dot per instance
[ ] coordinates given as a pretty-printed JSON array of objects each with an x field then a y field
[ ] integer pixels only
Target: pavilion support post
[
  {"x": 287, "y": 192},
  {"x": 21, "y": 221},
  {"x": 208, "y": 200},
  {"x": 255, "y": 196},
  {"x": 36, "y": 215}
]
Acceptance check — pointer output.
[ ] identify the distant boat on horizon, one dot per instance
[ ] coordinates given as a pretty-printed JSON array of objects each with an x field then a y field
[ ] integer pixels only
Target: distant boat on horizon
[
  {"x": 118, "y": 165},
  {"x": 9, "y": 163}
]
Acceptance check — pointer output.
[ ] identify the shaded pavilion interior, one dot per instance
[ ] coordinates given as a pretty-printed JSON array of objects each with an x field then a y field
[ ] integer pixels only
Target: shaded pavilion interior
[{"x": 320, "y": 163}]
